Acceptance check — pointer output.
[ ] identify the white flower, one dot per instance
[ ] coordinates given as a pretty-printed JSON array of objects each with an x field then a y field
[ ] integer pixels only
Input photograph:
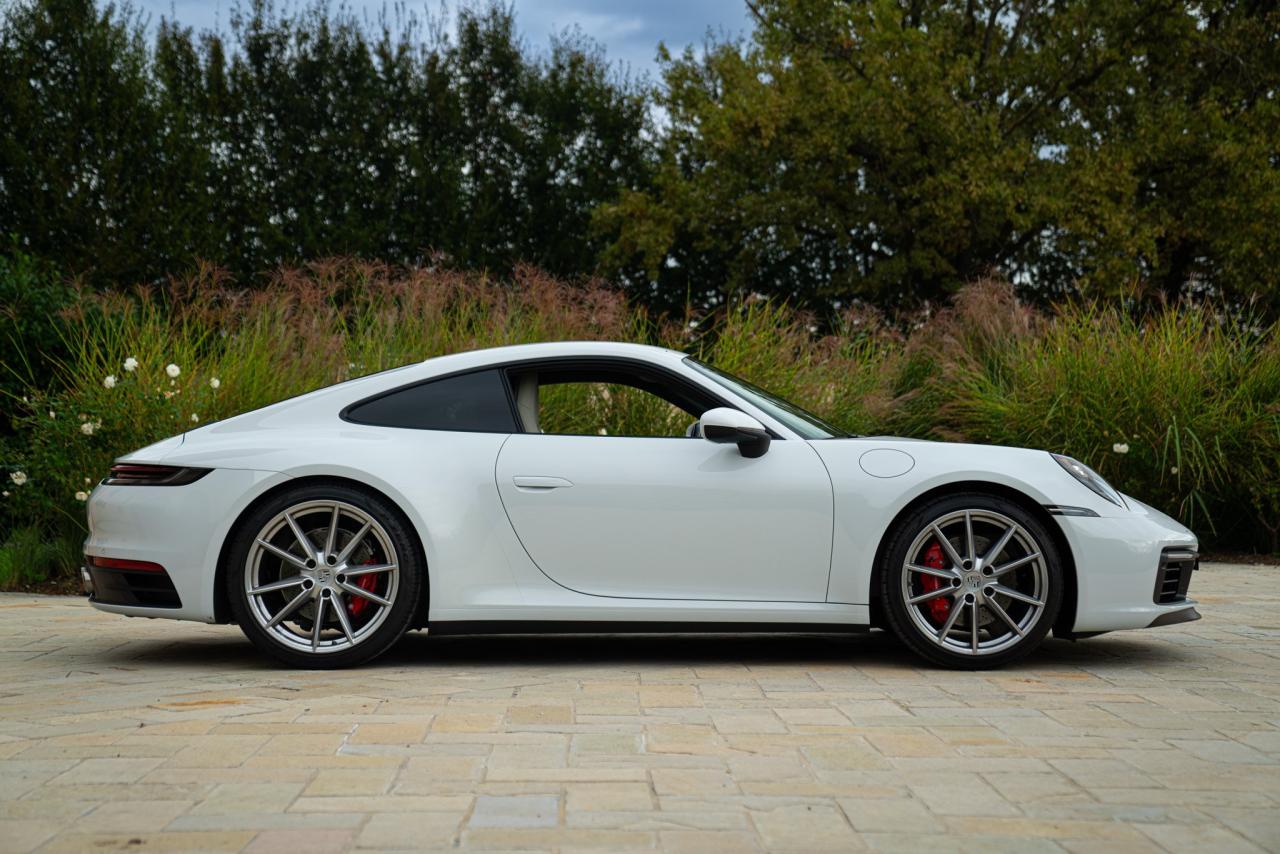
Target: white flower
[
  {"x": 82, "y": 496},
  {"x": 215, "y": 383},
  {"x": 131, "y": 364},
  {"x": 88, "y": 480},
  {"x": 693, "y": 324},
  {"x": 109, "y": 381},
  {"x": 1120, "y": 448},
  {"x": 4, "y": 494},
  {"x": 52, "y": 414},
  {"x": 172, "y": 370},
  {"x": 88, "y": 427},
  {"x": 1173, "y": 470},
  {"x": 195, "y": 417},
  {"x": 18, "y": 477}
]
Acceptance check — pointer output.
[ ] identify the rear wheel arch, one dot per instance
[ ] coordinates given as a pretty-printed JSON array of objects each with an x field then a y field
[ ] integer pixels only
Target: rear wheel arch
[
  {"x": 222, "y": 605},
  {"x": 1066, "y": 615}
]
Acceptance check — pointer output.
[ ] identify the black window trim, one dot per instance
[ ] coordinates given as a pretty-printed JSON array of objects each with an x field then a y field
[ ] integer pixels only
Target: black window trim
[{"x": 519, "y": 365}]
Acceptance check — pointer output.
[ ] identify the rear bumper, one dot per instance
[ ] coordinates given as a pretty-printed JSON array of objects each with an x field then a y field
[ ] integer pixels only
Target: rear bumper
[
  {"x": 1119, "y": 561},
  {"x": 180, "y": 528},
  {"x": 118, "y": 586}
]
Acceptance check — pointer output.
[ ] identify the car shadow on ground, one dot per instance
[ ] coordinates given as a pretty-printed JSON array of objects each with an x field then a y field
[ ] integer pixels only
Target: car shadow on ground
[{"x": 875, "y": 649}]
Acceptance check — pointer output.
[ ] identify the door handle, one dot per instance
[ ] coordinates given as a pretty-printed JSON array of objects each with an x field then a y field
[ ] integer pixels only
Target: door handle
[{"x": 532, "y": 483}]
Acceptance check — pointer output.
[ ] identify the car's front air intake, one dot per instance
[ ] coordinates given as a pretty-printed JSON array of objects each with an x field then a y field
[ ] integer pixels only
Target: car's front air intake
[{"x": 1174, "y": 575}]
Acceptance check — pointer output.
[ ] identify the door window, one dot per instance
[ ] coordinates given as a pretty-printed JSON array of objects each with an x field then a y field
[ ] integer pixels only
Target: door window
[{"x": 605, "y": 401}]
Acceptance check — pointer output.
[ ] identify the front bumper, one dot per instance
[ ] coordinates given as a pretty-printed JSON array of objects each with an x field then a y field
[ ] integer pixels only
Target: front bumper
[
  {"x": 1119, "y": 564},
  {"x": 1186, "y": 615}
]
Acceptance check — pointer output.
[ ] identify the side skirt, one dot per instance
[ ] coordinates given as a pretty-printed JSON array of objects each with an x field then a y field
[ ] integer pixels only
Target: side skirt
[{"x": 629, "y": 627}]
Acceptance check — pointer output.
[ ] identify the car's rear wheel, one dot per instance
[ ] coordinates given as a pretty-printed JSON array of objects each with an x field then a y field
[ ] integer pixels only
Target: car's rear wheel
[
  {"x": 324, "y": 576},
  {"x": 971, "y": 581}
]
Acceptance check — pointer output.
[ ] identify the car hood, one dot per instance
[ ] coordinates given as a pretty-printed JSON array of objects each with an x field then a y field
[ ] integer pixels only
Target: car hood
[{"x": 893, "y": 468}]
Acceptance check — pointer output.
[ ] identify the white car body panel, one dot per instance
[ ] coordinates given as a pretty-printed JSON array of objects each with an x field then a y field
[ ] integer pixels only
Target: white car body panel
[
  {"x": 1112, "y": 557},
  {"x": 663, "y": 518},
  {"x": 686, "y": 530},
  {"x": 144, "y": 523}
]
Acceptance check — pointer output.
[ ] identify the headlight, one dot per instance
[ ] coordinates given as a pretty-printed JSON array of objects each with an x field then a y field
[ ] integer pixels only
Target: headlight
[{"x": 1090, "y": 478}]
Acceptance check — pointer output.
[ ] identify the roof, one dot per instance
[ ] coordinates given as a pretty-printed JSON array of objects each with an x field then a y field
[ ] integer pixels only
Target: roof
[
  {"x": 545, "y": 349},
  {"x": 326, "y": 402}
]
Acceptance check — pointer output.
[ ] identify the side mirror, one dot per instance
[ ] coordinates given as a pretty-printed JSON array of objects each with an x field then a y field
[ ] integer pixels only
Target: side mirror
[{"x": 727, "y": 426}]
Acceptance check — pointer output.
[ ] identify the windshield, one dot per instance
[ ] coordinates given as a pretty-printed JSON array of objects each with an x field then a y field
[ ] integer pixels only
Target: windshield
[{"x": 808, "y": 425}]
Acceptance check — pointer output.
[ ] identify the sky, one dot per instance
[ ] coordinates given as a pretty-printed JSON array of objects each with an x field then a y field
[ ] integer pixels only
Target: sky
[{"x": 629, "y": 31}]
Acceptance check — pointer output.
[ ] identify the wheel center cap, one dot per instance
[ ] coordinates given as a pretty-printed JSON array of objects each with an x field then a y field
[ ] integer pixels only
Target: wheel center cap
[
  {"x": 323, "y": 574},
  {"x": 973, "y": 580}
]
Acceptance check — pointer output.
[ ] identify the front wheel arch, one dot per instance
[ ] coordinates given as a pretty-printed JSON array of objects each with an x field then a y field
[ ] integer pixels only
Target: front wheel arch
[
  {"x": 1066, "y": 615},
  {"x": 222, "y": 604}
]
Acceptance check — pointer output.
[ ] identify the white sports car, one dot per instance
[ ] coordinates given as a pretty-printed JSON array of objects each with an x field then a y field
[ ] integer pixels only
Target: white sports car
[{"x": 486, "y": 491}]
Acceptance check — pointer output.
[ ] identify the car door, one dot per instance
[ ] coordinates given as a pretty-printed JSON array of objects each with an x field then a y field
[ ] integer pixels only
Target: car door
[{"x": 670, "y": 517}]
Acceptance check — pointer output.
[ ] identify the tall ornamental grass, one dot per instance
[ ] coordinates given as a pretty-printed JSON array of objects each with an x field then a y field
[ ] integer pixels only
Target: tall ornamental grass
[{"x": 1181, "y": 408}]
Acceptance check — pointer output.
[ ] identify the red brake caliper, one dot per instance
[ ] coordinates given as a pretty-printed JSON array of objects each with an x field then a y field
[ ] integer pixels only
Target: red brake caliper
[
  {"x": 940, "y": 607},
  {"x": 357, "y": 604}
]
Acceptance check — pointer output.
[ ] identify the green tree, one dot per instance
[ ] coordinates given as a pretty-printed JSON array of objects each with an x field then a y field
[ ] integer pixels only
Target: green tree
[
  {"x": 32, "y": 295},
  {"x": 82, "y": 144},
  {"x": 541, "y": 142},
  {"x": 891, "y": 151},
  {"x": 298, "y": 135}
]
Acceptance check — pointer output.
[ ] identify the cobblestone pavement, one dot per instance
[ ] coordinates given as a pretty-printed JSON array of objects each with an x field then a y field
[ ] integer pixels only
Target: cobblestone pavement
[{"x": 152, "y": 735}]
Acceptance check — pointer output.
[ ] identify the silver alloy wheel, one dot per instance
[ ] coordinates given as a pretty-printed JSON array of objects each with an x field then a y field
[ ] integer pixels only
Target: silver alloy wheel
[
  {"x": 321, "y": 576},
  {"x": 992, "y": 587}
]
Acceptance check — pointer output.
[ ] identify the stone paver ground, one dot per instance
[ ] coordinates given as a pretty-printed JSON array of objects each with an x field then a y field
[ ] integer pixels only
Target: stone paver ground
[{"x": 152, "y": 735}]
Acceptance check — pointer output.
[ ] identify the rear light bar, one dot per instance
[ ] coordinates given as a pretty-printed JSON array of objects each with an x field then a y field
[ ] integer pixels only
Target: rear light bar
[
  {"x": 142, "y": 474},
  {"x": 122, "y": 564}
]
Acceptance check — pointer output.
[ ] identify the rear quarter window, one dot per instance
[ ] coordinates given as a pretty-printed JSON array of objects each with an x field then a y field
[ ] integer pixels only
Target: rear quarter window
[{"x": 475, "y": 402}]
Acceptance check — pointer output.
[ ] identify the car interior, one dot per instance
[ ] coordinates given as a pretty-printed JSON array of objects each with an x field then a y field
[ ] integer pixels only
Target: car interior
[{"x": 605, "y": 400}]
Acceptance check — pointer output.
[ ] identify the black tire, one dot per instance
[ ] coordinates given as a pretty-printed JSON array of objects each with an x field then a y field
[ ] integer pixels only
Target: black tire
[
  {"x": 390, "y": 534},
  {"x": 984, "y": 605}
]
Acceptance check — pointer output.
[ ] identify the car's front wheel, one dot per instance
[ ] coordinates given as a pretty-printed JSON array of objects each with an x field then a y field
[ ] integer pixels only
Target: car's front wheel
[
  {"x": 971, "y": 581},
  {"x": 324, "y": 576}
]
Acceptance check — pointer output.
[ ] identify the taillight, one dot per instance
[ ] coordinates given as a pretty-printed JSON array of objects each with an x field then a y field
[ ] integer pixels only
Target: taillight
[{"x": 142, "y": 474}]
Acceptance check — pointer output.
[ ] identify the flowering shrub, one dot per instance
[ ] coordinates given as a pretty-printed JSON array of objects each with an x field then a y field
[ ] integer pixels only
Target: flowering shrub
[
  {"x": 71, "y": 436},
  {"x": 1181, "y": 410}
]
